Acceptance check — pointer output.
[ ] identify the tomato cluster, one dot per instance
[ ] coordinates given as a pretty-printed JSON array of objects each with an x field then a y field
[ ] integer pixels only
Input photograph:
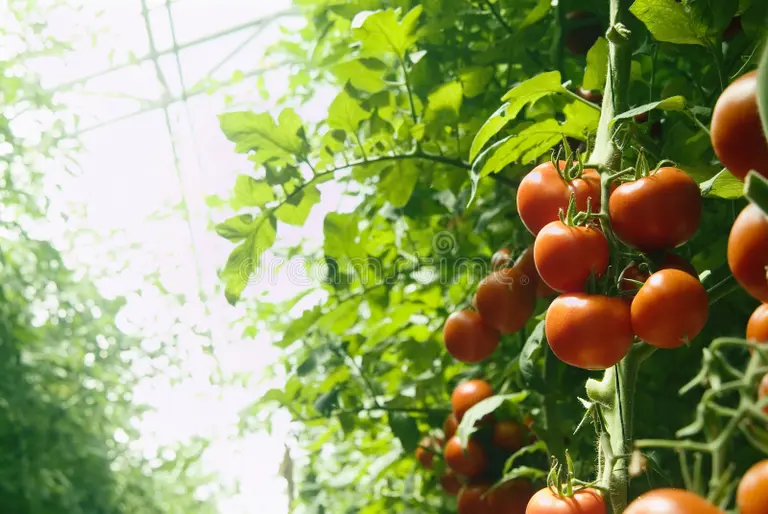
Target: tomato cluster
[{"x": 470, "y": 472}]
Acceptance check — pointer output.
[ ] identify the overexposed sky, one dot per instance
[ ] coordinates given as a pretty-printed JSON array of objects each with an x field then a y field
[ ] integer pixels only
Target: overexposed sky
[{"x": 127, "y": 192}]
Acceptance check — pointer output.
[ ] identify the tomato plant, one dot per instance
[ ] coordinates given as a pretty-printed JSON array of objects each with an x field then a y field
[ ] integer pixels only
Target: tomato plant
[
  {"x": 670, "y": 309},
  {"x": 589, "y": 331},
  {"x": 657, "y": 212},
  {"x": 737, "y": 134},
  {"x": 671, "y": 501},
  {"x": 511, "y": 498},
  {"x": 508, "y": 435},
  {"x": 543, "y": 193},
  {"x": 584, "y": 501},
  {"x": 473, "y": 499},
  {"x": 450, "y": 483},
  {"x": 468, "y": 338},
  {"x": 470, "y": 461},
  {"x": 505, "y": 299},
  {"x": 467, "y": 395},
  {"x": 566, "y": 256}
]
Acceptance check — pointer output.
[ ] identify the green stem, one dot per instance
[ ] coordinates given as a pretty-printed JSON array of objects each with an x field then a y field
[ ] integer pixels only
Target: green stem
[
  {"x": 756, "y": 190},
  {"x": 409, "y": 89}
]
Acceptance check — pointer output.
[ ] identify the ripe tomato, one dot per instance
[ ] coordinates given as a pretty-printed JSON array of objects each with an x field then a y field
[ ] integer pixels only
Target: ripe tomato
[
  {"x": 511, "y": 497},
  {"x": 566, "y": 256},
  {"x": 468, "y": 338},
  {"x": 450, "y": 425},
  {"x": 500, "y": 259},
  {"x": 527, "y": 265},
  {"x": 757, "y": 326},
  {"x": 585, "y": 501},
  {"x": 737, "y": 134},
  {"x": 506, "y": 300},
  {"x": 671, "y": 501},
  {"x": 472, "y": 499},
  {"x": 762, "y": 391},
  {"x": 589, "y": 331},
  {"x": 508, "y": 435},
  {"x": 752, "y": 494},
  {"x": 450, "y": 482},
  {"x": 671, "y": 308},
  {"x": 543, "y": 192},
  {"x": 467, "y": 394},
  {"x": 584, "y": 29},
  {"x": 470, "y": 462},
  {"x": 425, "y": 453},
  {"x": 669, "y": 261},
  {"x": 748, "y": 251},
  {"x": 660, "y": 211}
]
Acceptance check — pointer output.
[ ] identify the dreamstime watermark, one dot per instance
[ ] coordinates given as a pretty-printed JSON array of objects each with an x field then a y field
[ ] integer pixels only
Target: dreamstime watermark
[{"x": 443, "y": 266}]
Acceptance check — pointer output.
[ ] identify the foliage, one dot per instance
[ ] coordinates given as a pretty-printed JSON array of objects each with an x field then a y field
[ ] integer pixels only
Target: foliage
[
  {"x": 442, "y": 106},
  {"x": 67, "y": 442}
]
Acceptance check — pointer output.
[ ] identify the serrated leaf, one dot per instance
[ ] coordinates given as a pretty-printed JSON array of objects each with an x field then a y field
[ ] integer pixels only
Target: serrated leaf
[
  {"x": 297, "y": 214},
  {"x": 236, "y": 228},
  {"x": 669, "y": 22},
  {"x": 530, "y": 369},
  {"x": 475, "y": 79},
  {"x": 481, "y": 409},
  {"x": 597, "y": 66},
  {"x": 360, "y": 76},
  {"x": 380, "y": 33},
  {"x": 525, "y": 146},
  {"x": 516, "y": 99},
  {"x": 405, "y": 429},
  {"x": 444, "y": 103},
  {"x": 281, "y": 141},
  {"x": 398, "y": 182},
  {"x": 673, "y": 103},
  {"x": 251, "y": 192},
  {"x": 244, "y": 260},
  {"x": 346, "y": 114},
  {"x": 723, "y": 185}
]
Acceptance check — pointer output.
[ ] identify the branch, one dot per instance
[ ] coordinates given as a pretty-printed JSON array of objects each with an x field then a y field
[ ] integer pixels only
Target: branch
[
  {"x": 500, "y": 19},
  {"x": 409, "y": 410}
]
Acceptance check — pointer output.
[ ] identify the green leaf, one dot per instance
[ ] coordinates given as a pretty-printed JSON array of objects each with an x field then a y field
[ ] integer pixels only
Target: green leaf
[
  {"x": 475, "y": 79},
  {"x": 762, "y": 90},
  {"x": 537, "y": 13},
  {"x": 236, "y": 228},
  {"x": 597, "y": 66},
  {"x": 360, "y": 76},
  {"x": 405, "y": 429},
  {"x": 673, "y": 103},
  {"x": 245, "y": 258},
  {"x": 723, "y": 185},
  {"x": 669, "y": 22},
  {"x": 297, "y": 214},
  {"x": 346, "y": 114},
  {"x": 258, "y": 133},
  {"x": 325, "y": 403},
  {"x": 525, "y": 146},
  {"x": 516, "y": 99},
  {"x": 380, "y": 33},
  {"x": 251, "y": 192},
  {"x": 469, "y": 423},
  {"x": 341, "y": 318},
  {"x": 300, "y": 326},
  {"x": 530, "y": 368},
  {"x": 398, "y": 182},
  {"x": 444, "y": 103},
  {"x": 756, "y": 190}
]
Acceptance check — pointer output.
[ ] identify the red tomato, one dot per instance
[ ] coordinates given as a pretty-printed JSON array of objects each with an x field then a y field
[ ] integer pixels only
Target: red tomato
[
  {"x": 757, "y": 326},
  {"x": 737, "y": 134},
  {"x": 671, "y": 501},
  {"x": 585, "y": 501},
  {"x": 657, "y": 212},
  {"x": 473, "y": 500},
  {"x": 566, "y": 256},
  {"x": 748, "y": 251},
  {"x": 468, "y": 338},
  {"x": 669, "y": 261},
  {"x": 506, "y": 300},
  {"x": 543, "y": 192},
  {"x": 511, "y": 497},
  {"x": 583, "y": 31},
  {"x": 470, "y": 462},
  {"x": 671, "y": 308},
  {"x": 527, "y": 265},
  {"x": 425, "y": 453},
  {"x": 500, "y": 259},
  {"x": 508, "y": 435},
  {"x": 762, "y": 391},
  {"x": 467, "y": 394},
  {"x": 589, "y": 331},
  {"x": 450, "y": 482},
  {"x": 450, "y": 425},
  {"x": 752, "y": 494}
]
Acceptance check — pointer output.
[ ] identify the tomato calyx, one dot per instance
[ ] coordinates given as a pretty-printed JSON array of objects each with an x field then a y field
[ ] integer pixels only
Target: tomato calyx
[{"x": 563, "y": 482}]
